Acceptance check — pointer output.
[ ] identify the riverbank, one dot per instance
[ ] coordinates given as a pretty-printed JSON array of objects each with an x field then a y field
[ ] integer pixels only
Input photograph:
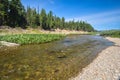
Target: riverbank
[
  {"x": 38, "y": 31},
  {"x": 25, "y": 36},
  {"x": 106, "y": 66},
  {"x": 30, "y": 38}
]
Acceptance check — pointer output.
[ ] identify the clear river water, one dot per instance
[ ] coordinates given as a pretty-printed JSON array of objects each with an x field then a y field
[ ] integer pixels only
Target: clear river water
[{"x": 58, "y": 60}]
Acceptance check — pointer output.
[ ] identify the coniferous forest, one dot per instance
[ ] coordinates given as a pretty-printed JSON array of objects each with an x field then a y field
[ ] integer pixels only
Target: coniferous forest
[{"x": 14, "y": 14}]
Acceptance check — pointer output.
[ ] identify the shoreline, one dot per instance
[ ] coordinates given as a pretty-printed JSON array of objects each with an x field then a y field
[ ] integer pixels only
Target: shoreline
[
  {"x": 39, "y": 31},
  {"x": 33, "y": 31},
  {"x": 106, "y": 66}
]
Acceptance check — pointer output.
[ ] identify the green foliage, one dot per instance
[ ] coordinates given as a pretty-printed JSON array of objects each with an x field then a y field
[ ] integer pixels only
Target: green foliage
[
  {"x": 30, "y": 38},
  {"x": 50, "y": 19},
  {"x": 13, "y": 14},
  {"x": 16, "y": 14},
  {"x": 32, "y": 17},
  {"x": 111, "y": 33},
  {"x": 3, "y": 11},
  {"x": 94, "y": 33},
  {"x": 79, "y": 25},
  {"x": 43, "y": 19}
]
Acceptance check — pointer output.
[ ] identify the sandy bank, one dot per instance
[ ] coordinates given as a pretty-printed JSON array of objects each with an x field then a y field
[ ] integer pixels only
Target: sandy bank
[
  {"x": 106, "y": 66},
  {"x": 58, "y": 31},
  {"x": 39, "y": 31}
]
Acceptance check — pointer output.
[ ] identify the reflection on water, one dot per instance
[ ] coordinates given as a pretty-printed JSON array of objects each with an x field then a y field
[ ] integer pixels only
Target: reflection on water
[{"x": 56, "y": 60}]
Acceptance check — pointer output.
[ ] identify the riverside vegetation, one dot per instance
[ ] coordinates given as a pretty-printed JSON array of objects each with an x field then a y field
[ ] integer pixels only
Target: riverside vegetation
[
  {"x": 14, "y": 15},
  {"x": 111, "y": 33},
  {"x": 30, "y": 38}
]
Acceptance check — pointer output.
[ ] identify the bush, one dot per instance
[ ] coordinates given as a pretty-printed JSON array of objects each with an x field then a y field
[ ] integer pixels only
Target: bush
[
  {"x": 31, "y": 38},
  {"x": 111, "y": 33}
]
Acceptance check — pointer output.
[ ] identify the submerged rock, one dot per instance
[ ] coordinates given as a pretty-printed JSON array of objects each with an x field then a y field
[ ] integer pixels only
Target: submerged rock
[{"x": 9, "y": 44}]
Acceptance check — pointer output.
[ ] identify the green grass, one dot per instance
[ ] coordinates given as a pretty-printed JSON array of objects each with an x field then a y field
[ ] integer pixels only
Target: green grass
[
  {"x": 30, "y": 38},
  {"x": 111, "y": 33},
  {"x": 93, "y": 33}
]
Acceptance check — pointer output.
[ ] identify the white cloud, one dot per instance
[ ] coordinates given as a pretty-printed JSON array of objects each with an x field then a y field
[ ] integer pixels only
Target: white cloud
[
  {"x": 100, "y": 18},
  {"x": 101, "y": 21},
  {"x": 104, "y": 20}
]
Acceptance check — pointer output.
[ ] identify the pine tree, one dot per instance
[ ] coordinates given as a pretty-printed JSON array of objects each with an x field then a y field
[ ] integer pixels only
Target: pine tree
[
  {"x": 43, "y": 19},
  {"x": 50, "y": 20},
  {"x": 4, "y": 8},
  {"x": 16, "y": 14},
  {"x": 63, "y": 23}
]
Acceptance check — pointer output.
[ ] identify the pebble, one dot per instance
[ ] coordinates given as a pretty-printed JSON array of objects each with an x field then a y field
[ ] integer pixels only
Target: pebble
[{"x": 105, "y": 67}]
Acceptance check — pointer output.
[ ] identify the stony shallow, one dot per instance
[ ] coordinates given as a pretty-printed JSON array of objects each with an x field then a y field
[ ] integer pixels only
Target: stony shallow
[
  {"x": 106, "y": 66},
  {"x": 58, "y": 60}
]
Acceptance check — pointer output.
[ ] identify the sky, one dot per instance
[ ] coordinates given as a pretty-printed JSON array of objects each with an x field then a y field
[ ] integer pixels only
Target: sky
[{"x": 101, "y": 14}]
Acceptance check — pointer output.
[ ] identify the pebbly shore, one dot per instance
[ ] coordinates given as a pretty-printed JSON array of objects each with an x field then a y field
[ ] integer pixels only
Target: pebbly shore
[{"x": 105, "y": 67}]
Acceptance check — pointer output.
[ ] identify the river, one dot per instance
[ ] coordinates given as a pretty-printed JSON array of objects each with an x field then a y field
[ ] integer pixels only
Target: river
[{"x": 58, "y": 60}]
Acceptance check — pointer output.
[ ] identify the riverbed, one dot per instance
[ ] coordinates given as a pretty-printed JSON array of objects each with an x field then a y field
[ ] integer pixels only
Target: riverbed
[
  {"x": 57, "y": 60},
  {"x": 105, "y": 67}
]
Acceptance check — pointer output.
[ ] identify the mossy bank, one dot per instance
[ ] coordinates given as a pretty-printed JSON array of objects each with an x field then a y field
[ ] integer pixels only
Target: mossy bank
[{"x": 31, "y": 38}]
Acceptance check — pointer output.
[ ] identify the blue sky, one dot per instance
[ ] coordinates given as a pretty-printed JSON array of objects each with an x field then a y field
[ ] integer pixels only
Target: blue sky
[{"x": 102, "y": 14}]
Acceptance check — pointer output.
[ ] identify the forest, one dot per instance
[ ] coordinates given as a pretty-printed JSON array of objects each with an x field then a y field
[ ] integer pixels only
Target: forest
[{"x": 14, "y": 14}]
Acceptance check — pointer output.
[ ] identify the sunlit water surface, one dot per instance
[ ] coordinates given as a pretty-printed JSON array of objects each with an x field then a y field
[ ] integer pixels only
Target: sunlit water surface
[{"x": 57, "y": 60}]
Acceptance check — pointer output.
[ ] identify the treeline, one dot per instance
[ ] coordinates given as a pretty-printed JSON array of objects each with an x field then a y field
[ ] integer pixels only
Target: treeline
[
  {"x": 111, "y": 33},
  {"x": 13, "y": 14}
]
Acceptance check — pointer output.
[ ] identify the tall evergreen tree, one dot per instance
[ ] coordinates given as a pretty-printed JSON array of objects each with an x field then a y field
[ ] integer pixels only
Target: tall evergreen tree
[
  {"x": 32, "y": 17},
  {"x": 28, "y": 15},
  {"x": 50, "y": 20},
  {"x": 63, "y": 23},
  {"x": 4, "y": 8},
  {"x": 16, "y": 14},
  {"x": 43, "y": 19}
]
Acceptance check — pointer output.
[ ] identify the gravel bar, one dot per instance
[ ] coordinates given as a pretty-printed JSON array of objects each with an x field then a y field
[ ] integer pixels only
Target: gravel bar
[{"x": 106, "y": 66}]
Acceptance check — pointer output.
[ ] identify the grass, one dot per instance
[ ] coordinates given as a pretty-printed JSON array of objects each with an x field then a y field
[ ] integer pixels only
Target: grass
[
  {"x": 111, "y": 33},
  {"x": 93, "y": 33},
  {"x": 30, "y": 38}
]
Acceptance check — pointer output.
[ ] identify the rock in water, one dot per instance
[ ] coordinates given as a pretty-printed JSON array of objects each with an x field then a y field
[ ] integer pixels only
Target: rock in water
[{"x": 9, "y": 44}]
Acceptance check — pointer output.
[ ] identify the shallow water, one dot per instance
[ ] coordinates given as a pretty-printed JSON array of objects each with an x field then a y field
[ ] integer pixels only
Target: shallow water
[{"x": 57, "y": 60}]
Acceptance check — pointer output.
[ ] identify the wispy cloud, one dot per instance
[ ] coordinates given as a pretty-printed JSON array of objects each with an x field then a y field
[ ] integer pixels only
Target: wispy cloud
[
  {"x": 107, "y": 19},
  {"x": 104, "y": 20},
  {"x": 100, "y": 18}
]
